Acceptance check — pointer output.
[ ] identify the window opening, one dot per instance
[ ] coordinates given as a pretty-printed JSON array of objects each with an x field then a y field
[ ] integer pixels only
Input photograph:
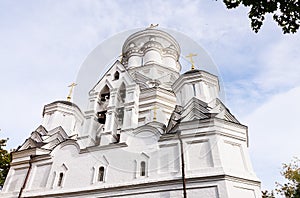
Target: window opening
[
  {"x": 118, "y": 138},
  {"x": 60, "y": 179},
  {"x": 101, "y": 174},
  {"x": 116, "y": 75},
  {"x": 143, "y": 168},
  {"x": 104, "y": 97},
  {"x": 102, "y": 117},
  {"x": 194, "y": 88},
  {"x": 104, "y": 94}
]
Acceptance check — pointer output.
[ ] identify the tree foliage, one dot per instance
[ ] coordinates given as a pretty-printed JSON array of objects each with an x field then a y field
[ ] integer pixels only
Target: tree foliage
[
  {"x": 267, "y": 194},
  {"x": 4, "y": 161},
  {"x": 291, "y": 172},
  {"x": 285, "y": 12}
]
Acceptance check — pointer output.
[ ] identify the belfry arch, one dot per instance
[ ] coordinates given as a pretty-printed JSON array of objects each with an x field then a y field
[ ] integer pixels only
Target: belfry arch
[{"x": 104, "y": 96}]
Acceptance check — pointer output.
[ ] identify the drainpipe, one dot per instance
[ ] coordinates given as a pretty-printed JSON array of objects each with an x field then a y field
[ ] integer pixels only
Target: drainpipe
[
  {"x": 27, "y": 176},
  {"x": 182, "y": 166}
]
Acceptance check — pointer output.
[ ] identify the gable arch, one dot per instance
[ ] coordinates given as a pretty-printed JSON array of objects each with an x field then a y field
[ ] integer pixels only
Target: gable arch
[
  {"x": 147, "y": 128},
  {"x": 100, "y": 170},
  {"x": 145, "y": 135},
  {"x": 72, "y": 143}
]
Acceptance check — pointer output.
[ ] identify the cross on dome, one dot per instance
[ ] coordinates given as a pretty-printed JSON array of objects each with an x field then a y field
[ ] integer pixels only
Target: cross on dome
[
  {"x": 71, "y": 90},
  {"x": 190, "y": 56}
]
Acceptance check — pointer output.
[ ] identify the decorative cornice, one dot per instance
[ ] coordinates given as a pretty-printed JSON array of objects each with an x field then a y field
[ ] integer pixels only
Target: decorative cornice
[
  {"x": 145, "y": 187},
  {"x": 150, "y": 33},
  {"x": 105, "y": 147}
]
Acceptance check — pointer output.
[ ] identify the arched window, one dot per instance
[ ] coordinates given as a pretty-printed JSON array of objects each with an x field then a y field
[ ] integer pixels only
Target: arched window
[
  {"x": 116, "y": 75},
  {"x": 104, "y": 93},
  {"x": 60, "y": 179},
  {"x": 143, "y": 169},
  {"x": 101, "y": 174}
]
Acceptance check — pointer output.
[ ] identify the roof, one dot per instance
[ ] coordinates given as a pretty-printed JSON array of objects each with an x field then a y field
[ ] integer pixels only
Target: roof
[
  {"x": 61, "y": 102},
  {"x": 64, "y": 102},
  {"x": 198, "y": 71}
]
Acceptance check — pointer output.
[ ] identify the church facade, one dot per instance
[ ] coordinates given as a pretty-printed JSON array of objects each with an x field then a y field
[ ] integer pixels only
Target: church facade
[{"x": 148, "y": 131}]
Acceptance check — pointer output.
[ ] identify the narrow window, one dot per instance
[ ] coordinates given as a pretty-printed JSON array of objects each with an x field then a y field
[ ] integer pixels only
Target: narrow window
[
  {"x": 143, "y": 168},
  {"x": 101, "y": 174},
  {"x": 118, "y": 138},
  {"x": 116, "y": 75},
  {"x": 60, "y": 179},
  {"x": 194, "y": 88}
]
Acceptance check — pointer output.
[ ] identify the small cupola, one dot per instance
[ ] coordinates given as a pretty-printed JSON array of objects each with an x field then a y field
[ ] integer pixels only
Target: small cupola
[
  {"x": 65, "y": 114},
  {"x": 196, "y": 83}
]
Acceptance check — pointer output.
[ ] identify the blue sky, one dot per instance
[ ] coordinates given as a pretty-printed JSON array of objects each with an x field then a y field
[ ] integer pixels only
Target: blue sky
[{"x": 44, "y": 43}]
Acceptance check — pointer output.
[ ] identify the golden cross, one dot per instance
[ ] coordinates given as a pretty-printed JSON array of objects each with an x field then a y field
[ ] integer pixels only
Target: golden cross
[
  {"x": 71, "y": 90},
  {"x": 154, "y": 112},
  {"x": 190, "y": 56}
]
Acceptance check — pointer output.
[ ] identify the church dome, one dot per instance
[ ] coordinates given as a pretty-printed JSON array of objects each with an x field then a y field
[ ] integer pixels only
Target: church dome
[
  {"x": 151, "y": 46},
  {"x": 150, "y": 34}
]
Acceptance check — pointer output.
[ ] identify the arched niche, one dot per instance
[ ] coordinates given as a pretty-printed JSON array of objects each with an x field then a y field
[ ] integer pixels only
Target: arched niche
[
  {"x": 104, "y": 96},
  {"x": 122, "y": 92}
]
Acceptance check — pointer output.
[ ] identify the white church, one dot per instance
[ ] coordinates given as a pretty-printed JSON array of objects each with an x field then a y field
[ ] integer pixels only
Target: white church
[{"x": 149, "y": 131}]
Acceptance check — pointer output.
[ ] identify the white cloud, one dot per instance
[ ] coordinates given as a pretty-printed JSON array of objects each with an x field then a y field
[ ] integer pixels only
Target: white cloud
[
  {"x": 280, "y": 62},
  {"x": 274, "y": 135},
  {"x": 274, "y": 68}
]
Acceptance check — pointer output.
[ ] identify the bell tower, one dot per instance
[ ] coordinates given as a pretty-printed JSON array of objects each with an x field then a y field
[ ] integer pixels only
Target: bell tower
[{"x": 151, "y": 57}]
